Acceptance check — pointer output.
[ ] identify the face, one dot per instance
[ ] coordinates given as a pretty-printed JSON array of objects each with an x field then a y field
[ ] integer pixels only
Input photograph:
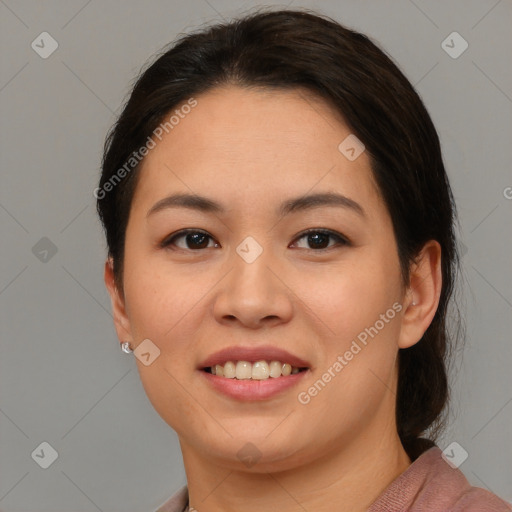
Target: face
[{"x": 319, "y": 279}]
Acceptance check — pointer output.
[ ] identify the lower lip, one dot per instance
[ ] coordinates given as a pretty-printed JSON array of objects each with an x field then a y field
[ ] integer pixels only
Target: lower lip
[{"x": 253, "y": 389}]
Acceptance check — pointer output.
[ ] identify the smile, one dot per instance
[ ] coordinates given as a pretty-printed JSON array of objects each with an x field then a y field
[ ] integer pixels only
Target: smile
[{"x": 260, "y": 370}]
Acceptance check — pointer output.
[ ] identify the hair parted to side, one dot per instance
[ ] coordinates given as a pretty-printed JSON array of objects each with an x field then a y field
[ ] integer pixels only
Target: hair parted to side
[{"x": 290, "y": 49}]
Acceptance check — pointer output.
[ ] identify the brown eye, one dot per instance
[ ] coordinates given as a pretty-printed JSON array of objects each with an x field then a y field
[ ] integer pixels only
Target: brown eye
[
  {"x": 318, "y": 239},
  {"x": 194, "y": 240}
]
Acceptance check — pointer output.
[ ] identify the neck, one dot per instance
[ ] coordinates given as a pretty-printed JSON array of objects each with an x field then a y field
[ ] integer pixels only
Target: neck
[{"x": 351, "y": 477}]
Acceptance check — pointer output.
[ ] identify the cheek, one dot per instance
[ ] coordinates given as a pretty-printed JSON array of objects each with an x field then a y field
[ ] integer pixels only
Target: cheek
[
  {"x": 163, "y": 309},
  {"x": 160, "y": 299},
  {"x": 359, "y": 309},
  {"x": 357, "y": 372},
  {"x": 346, "y": 299}
]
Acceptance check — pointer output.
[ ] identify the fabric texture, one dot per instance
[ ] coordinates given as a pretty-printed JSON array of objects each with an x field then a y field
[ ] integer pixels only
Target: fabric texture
[
  {"x": 178, "y": 502},
  {"x": 429, "y": 484}
]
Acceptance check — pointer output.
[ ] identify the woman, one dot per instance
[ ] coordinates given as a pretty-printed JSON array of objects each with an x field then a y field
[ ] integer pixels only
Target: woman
[{"x": 281, "y": 260}]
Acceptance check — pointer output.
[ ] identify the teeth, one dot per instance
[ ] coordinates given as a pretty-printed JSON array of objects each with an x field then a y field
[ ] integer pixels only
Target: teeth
[
  {"x": 243, "y": 370},
  {"x": 229, "y": 370},
  {"x": 260, "y": 370},
  {"x": 286, "y": 369},
  {"x": 275, "y": 369}
]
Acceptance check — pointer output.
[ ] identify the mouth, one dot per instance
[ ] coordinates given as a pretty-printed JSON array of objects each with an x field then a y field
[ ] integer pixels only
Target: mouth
[
  {"x": 253, "y": 373},
  {"x": 259, "y": 370},
  {"x": 257, "y": 363}
]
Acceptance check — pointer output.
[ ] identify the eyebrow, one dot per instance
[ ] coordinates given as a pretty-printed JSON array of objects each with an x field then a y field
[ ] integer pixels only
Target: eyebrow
[{"x": 204, "y": 204}]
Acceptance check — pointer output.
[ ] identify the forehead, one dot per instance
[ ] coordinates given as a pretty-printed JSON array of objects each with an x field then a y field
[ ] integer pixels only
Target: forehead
[{"x": 257, "y": 143}]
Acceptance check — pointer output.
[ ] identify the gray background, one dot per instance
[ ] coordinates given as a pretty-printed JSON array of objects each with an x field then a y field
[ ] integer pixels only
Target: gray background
[{"x": 64, "y": 380}]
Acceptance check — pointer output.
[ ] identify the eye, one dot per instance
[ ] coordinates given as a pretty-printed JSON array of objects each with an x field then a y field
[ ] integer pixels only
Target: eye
[
  {"x": 194, "y": 239},
  {"x": 319, "y": 239}
]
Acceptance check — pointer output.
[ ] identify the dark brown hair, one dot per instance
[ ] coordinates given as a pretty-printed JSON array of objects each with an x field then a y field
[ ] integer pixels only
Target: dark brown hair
[{"x": 290, "y": 49}]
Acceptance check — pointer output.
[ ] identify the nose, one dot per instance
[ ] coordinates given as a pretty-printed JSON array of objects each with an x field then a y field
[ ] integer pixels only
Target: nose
[{"x": 253, "y": 295}]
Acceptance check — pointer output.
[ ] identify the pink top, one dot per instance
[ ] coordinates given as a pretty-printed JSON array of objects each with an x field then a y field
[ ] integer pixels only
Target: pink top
[{"x": 429, "y": 484}]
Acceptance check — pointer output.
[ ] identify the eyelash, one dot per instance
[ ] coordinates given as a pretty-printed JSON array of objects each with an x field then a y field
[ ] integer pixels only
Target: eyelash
[{"x": 341, "y": 240}]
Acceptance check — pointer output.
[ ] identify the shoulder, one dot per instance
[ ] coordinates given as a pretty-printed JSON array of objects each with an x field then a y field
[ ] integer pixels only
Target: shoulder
[
  {"x": 178, "y": 502},
  {"x": 476, "y": 500},
  {"x": 432, "y": 484}
]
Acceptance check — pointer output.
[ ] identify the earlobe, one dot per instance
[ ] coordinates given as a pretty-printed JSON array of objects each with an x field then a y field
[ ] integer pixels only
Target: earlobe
[
  {"x": 422, "y": 297},
  {"x": 121, "y": 320}
]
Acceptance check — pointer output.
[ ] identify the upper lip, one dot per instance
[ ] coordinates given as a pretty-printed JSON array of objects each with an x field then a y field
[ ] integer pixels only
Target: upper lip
[{"x": 253, "y": 354}]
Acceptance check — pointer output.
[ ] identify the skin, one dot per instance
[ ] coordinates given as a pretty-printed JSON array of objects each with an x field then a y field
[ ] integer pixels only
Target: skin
[{"x": 261, "y": 147}]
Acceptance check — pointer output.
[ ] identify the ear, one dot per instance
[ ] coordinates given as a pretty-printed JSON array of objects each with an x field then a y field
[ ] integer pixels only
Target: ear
[
  {"x": 422, "y": 295},
  {"x": 121, "y": 320}
]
